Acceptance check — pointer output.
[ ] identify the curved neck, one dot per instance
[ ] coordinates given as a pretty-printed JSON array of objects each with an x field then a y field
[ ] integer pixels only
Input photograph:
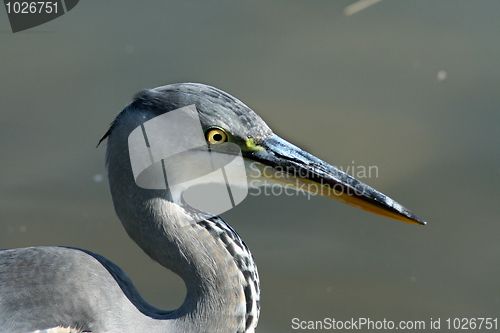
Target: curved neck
[{"x": 216, "y": 266}]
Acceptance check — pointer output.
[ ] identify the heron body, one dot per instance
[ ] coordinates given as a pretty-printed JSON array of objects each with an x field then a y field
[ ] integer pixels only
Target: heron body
[{"x": 67, "y": 289}]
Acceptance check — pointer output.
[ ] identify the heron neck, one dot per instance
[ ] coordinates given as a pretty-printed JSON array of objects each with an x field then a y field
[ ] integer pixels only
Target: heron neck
[{"x": 216, "y": 266}]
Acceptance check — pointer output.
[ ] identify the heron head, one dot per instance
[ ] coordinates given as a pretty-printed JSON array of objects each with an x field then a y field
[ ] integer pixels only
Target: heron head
[{"x": 231, "y": 130}]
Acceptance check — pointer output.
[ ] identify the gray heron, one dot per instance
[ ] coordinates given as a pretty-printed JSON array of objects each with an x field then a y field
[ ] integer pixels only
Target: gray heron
[{"x": 61, "y": 289}]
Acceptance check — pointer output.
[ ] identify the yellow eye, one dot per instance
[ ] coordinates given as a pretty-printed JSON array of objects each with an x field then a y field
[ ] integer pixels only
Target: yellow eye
[{"x": 216, "y": 136}]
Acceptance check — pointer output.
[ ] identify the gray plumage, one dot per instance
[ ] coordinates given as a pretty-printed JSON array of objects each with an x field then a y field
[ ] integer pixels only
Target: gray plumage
[{"x": 47, "y": 287}]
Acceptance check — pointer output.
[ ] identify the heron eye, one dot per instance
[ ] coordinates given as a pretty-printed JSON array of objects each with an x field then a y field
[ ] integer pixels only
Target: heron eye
[{"x": 216, "y": 136}]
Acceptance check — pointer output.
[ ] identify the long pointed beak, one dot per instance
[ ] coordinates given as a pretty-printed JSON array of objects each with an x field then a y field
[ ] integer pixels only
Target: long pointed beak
[{"x": 281, "y": 162}]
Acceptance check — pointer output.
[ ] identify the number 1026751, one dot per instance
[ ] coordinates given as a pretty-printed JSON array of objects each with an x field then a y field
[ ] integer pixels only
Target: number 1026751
[
  {"x": 472, "y": 323},
  {"x": 34, "y": 7}
]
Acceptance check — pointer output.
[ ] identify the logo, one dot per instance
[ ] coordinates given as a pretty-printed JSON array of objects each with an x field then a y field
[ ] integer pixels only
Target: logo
[
  {"x": 28, "y": 14},
  {"x": 169, "y": 152}
]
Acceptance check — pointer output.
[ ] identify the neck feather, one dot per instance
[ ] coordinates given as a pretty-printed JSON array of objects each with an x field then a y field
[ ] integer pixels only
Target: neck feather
[{"x": 218, "y": 269}]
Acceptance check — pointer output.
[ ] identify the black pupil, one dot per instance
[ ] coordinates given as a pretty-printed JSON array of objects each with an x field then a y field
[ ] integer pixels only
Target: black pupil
[{"x": 217, "y": 137}]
